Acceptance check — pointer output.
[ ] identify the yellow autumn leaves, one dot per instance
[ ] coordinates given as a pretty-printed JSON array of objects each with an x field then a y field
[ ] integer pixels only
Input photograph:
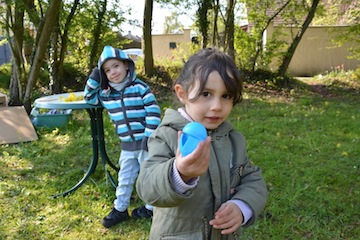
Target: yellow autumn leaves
[{"x": 72, "y": 98}]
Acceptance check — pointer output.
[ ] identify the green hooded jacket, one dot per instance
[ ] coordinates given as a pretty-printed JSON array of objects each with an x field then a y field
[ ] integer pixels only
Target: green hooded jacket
[{"x": 186, "y": 216}]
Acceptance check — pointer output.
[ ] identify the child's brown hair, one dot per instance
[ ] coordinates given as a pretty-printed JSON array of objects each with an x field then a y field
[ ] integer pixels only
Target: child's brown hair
[{"x": 200, "y": 65}]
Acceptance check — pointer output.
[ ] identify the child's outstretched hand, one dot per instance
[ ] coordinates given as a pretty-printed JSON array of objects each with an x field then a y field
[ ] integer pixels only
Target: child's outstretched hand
[
  {"x": 228, "y": 217},
  {"x": 196, "y": 163}
]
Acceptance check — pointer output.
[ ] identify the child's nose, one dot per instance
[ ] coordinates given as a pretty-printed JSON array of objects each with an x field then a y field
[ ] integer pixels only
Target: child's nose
[
  {"x": 216, "y": 104},
  {"x": 112, "y": 71}
]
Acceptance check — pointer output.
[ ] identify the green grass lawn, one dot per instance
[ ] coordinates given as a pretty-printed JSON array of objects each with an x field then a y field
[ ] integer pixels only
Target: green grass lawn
[{"x": 307, "y": 142}]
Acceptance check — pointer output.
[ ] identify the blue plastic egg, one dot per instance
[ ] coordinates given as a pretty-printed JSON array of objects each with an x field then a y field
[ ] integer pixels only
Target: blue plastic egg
[{"x": 193, "y": 134}]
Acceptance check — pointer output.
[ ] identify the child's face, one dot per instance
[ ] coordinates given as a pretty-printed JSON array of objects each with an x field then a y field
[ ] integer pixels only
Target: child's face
[
  {"x": 214, "y": 104},
  {"x": 115, "y": 70}
]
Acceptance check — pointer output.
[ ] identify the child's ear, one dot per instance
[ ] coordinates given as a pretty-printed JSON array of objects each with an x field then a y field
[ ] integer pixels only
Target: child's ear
[{"x": 180, "y": 93}]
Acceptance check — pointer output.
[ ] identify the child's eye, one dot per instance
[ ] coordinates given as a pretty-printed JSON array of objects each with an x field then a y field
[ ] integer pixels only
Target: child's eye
[
  {"x": 227, "y": 96},
  {"x": 206, "y": 94}
]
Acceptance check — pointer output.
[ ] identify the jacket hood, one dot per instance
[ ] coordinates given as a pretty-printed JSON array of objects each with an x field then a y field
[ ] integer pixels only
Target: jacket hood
[
  {"x": 172, "y": 119},
  {"x": 115, "y": 53}
]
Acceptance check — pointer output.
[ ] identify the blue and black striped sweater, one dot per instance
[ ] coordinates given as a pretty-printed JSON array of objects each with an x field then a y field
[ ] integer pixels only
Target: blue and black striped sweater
[{"x": 133, "y": 110}]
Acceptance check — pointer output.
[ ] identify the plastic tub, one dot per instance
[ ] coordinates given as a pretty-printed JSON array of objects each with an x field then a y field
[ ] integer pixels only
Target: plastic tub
[{"x": 55, "y": 118}]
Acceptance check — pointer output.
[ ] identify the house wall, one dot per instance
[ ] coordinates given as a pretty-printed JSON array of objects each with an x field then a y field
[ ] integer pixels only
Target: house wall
[
  {"x": 316, "y": 53},
  {"x": 161, "y": 43}
]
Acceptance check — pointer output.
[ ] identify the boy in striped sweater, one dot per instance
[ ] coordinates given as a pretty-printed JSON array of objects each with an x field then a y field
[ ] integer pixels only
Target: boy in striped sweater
[{"x": 135, "y": 113}]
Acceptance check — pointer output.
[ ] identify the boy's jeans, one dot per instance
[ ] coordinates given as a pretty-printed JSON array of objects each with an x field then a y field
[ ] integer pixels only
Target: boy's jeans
[{"x": 129, "y": 163}]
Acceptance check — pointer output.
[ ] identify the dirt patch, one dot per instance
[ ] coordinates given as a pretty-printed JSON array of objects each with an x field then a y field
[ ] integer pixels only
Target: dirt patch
[{"x": 332, "y": 87}]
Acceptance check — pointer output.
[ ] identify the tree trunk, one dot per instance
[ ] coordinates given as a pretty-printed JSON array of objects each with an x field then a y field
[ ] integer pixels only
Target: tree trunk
[
  {"x": 291, "y": 50},
  {"x": 229, "y": 28},
  {"x": 202, "y": 20},
  {"x": 17, "y": 68},
  {"x": 14, "y": 98},
  {"x": 58, "y": 66},
  {"x": 53, "y": 63},
  {"x": 215, "y": 37},
  {"x": 96, "y": 36},
  {"x": 41, "y": 46},
  {"x": 148, "y": 52}
]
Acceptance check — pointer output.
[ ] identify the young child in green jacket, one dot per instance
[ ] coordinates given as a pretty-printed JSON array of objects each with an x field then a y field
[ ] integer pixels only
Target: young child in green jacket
[{"x": 213, "y": 191}]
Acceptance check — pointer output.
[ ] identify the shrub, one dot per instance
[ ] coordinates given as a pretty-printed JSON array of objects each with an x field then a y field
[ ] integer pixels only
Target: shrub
[
  {"x": 73, "y": 78},
  {"x": 5, "y": 73}
]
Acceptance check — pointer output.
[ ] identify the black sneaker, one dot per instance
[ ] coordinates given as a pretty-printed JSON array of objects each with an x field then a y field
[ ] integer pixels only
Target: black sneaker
[
  {"x": 141, "y": 212},
  {"x": 115, "y": 217}
]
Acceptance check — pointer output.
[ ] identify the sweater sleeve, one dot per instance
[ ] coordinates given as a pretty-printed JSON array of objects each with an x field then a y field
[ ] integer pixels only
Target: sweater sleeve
[
  {"x": 179, "y": 185},
  {"x": 152, "y": 109},
  {"x": 92, "y": 88},
  {"x": 245, "y": 209}
]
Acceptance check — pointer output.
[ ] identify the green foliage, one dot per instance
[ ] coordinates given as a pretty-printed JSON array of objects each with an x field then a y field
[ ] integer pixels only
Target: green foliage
[
  {"x": 268, "y": 79},
  {"x": 250, "y": 46},
  {"x": 172, "y": 24},
  {"x": 356, "y": 74},
  {"x": 351, "y": 34},
  {"x": 73, "y": 78},
  {"x": 3, "y": 41},
  {"x": 338, "y": 79},
  {"x": 5, "y": 73},
  {"x": 244, "y": 45},
  {"x": 334, "y": 12},
  {"x": 5, "y": 69},
  {"x": 267, "y": 54},
  {"x": 276, "y": 47},
  {"x": 81, "y": 37},
  {"x": 172, "y": 64}
]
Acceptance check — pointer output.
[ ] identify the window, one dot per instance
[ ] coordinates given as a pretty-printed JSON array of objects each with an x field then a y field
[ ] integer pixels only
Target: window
[
  {"x": 172, "y": 45},
  {"x": 195, "y": 40}
]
